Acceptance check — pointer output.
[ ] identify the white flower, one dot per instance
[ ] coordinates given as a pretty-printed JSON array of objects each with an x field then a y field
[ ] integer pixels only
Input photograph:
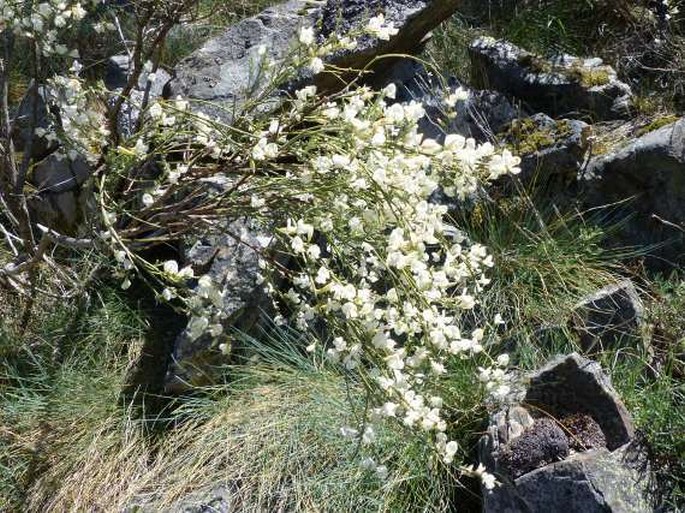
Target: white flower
[
  {"x": 297, "y": 244},
  {"x": 486, "y": 478},
  {"x": 156, "y": 111},
  {"x": 140, "y": 149},
  {"x": 256, "y": 201},
  {"x": 307, "y": 36},
  {"x": 349, "y": 432},
  {"x": 186, "y": 272},
  {"x": 264, "y": 149},
  {"x": 148, "y": 200},
  {"x": 503, "y": 360},
  {"x": 383, "y": 31},
  {"x": 389, "y": 409},
  {"x": 171, "y": 267},
  {"x": 316, "y": 65},
  {"x": 450, "y": 450},
  {"x": 196, "y": 327},
  {"x": 322, "y": 276},
  {"x": 314, "y": 251},
  {"x": 459, "y": 95},
  {"x": 390, "y": 91}
]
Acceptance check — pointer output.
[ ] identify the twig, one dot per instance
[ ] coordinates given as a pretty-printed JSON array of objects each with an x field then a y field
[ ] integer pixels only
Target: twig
[
  {"x": 668, "y": 223},
  {"x": 64, "y": 240},
  {"x": 12, "y": 269},
  {"x": 9, "y": 237}
]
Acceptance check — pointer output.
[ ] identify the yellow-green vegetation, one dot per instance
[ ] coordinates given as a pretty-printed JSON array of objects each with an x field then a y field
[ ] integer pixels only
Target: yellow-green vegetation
[
  {"x": 77, "y": 435},
  {"x": 590, "y": 77},
  {"x": 447, "y": 49},
  {"x": 546, "y": 261},
  {"x": 525, "y": 136},
  {"x": 71, "y": 441},
  {"x": 657, "y": 123}
]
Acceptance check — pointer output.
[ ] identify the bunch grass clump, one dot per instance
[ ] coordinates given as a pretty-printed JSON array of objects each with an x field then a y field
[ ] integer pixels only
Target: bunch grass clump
[{"x": 270, "y": 439}]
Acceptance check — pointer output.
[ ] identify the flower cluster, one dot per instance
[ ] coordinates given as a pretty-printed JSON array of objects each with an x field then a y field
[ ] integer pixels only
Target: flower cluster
[
  {"x": 82, "y": 127},
  {"x": 43, "y": 22},
  {"x": 317, "y": 53},
  {"x": 378, "y": 27},
  {"x": 381, "y": 262},
  {"x": 203, "y": 303},
  {"x": 378, "y": 258}
]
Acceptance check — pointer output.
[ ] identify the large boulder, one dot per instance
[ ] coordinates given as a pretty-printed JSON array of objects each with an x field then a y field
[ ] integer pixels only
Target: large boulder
[
  {"x": 227, "y": 71},
  {"x": 231, "y": 260},
  {"x": 597, "y": 481},
  {"x": 645, "y": 180},
  {"x": 562, "y": 444},
  {"x": 565, "y": 86}
]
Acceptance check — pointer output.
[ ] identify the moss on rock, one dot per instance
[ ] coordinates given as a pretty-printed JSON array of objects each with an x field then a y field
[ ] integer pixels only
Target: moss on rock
[
  {"x": 657, "y": 123},
  {"x": 525, "y": 136}
]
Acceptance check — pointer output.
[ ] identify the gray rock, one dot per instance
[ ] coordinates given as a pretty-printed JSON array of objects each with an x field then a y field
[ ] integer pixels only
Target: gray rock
[
  {"x": 34, "y": 112},
  {"x": 560, "y": 87},
  {"x": 61, "y": 196},
  {"x": 116, "y": 78},
  {"x": 117, "y": 75},
  {"x": 647, "y": 177},
  {"x": 565, "y": 443},
  {"x": 608, "y": 317},
  {"x": 59, "y": 173},
  {"x": 572, "y": 384},
  {"x": 227, "y": 72},
  {"x": 596, "y": 481},
  {"x": 481, "y": 116},
  {"x": 231, "y": 260},
  {"x": 217, "y": 500},
  {"x": 549, "y": 149}
]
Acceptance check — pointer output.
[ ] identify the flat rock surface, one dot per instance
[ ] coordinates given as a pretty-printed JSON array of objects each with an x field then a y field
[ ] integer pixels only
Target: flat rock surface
[
  {"x": 227, "y": 69},
  {"x": 559, "y": 87}
]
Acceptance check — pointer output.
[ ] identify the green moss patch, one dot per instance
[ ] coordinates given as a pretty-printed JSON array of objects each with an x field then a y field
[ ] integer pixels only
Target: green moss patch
[
  {"x": 657, "y": 123},
  {"x": 525, "y": 136}
]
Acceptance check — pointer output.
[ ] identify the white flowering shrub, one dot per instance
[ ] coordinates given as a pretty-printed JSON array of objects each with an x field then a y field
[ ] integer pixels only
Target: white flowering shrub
[
  {"x": 346, "y": 183},
  {"x": 379, "y": 260}
]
